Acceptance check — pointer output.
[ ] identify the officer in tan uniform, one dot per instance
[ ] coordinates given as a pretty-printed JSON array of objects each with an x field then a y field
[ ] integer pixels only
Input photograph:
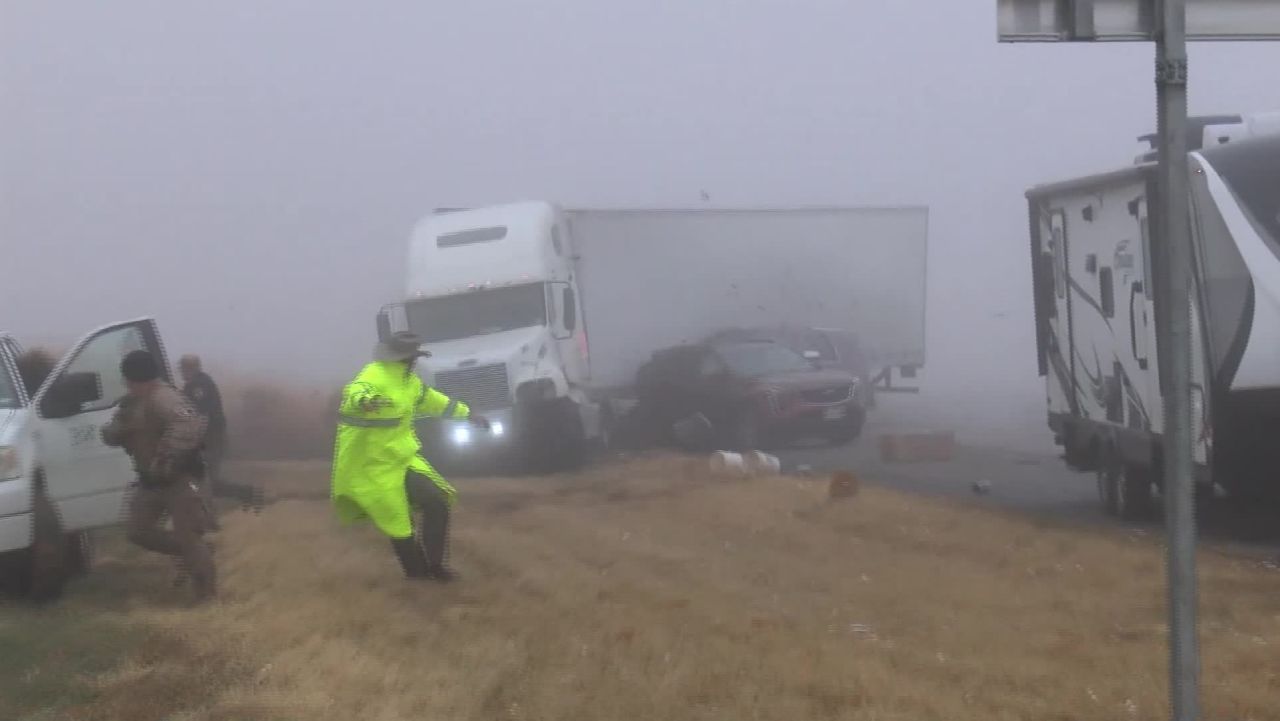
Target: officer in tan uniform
[{"x": 162, "y": 434}]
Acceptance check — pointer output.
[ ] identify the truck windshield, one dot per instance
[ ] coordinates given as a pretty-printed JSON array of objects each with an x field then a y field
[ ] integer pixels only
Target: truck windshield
[
  {"x": 481, "y": 312},
  {"x": 753, "y": 360},
  {"x": 1252, "y": 171}
]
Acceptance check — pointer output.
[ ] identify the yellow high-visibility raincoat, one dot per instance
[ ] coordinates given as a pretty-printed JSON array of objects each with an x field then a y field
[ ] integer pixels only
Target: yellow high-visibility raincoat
[{"x": 374, "y": 449}]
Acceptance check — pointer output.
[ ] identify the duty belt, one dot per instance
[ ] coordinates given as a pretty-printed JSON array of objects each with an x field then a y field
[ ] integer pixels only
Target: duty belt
[{"x": 368, "y": 422}]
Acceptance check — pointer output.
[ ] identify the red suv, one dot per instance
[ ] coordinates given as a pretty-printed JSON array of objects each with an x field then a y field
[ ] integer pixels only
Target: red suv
[{"x": 753, "y": 393}]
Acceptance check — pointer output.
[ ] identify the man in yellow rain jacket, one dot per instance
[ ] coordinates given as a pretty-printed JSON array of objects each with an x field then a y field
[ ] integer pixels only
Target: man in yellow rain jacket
[{"x": 378, "y": 473}]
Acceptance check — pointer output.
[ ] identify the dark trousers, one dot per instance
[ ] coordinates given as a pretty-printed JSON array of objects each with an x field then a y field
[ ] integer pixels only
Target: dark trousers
[
  {"x": 181, "y": 502},
  {"x": 214, "y": 455},
  {"x": 424, "y": 553}
]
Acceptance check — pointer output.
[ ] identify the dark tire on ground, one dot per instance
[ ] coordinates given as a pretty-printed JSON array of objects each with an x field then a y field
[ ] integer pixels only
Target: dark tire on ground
[
  {"x": 572, "y": 438},
  {"x": 557, "y": 441},
  {"x": 1132, "y": 497},
  {"x": 848, "y": 431},
  {"x": 46, "y": 569},
  {"x": 80, "y": 551},
  {"x": 1108, "y": 485}
]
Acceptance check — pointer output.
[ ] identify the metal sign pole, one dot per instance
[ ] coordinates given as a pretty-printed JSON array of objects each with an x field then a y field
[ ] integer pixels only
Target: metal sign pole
[{"x": 1178, "y": 466}]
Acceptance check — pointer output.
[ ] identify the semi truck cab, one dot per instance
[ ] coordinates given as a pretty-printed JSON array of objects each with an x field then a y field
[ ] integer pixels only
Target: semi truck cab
[{"x": 494, "y": 294}]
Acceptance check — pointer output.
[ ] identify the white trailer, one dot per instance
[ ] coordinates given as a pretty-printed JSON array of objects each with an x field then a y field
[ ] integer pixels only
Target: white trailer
[
  {"x": 656, "y": 278},
  {"x": 535, "y": 314},
  {"x": 1096, "y": 303}
]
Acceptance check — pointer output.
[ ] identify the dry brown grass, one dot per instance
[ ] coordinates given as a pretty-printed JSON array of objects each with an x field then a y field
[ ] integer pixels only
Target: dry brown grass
[{"x": 650, "y": 591}]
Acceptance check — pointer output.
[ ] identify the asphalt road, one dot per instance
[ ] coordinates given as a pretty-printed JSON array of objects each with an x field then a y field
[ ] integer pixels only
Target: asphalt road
[{"x": 1014, "y": 457}]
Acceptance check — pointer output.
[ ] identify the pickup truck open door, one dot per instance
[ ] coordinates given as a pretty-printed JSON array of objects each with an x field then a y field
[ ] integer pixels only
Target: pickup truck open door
[{"x": 85, "y": 479}]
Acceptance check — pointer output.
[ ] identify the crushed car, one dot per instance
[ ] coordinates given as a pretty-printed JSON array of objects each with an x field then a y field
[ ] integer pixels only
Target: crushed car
[{"x": 745, "y": 394}]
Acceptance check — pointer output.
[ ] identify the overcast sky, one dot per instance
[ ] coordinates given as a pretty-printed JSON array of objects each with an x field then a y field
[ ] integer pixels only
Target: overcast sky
[{"x": 249, "y": 172}]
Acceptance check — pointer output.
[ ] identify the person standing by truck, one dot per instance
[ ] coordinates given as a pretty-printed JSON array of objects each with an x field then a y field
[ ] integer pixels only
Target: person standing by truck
[
  {"x": 162, "y": 434},
  {"x": 204, "y": 396},
  {"x": 378, "y": 472}
]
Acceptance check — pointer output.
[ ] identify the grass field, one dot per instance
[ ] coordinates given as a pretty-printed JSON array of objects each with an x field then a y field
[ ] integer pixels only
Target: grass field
[{"x": 646, "y": 591}]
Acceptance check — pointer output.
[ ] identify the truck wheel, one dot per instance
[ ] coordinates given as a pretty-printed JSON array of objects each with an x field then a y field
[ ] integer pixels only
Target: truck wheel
[
  {"x": 80, "y": 550},
  {"x": 557, "y": 440},
  {"x": 848, "y": 431},
  {"x": 1106, "y": 473},
  {"x": 572, "y": 439},
  {"x": 46, "y": 567},
  {"x": 1132, "y": 493}
]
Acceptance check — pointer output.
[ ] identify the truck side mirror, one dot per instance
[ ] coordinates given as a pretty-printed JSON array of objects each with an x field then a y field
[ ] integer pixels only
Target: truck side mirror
[{"x": 384, "y": 326}]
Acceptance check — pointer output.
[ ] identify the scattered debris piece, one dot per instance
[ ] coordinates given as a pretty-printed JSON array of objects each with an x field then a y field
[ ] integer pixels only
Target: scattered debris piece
[{"x": 843, "y": 485}]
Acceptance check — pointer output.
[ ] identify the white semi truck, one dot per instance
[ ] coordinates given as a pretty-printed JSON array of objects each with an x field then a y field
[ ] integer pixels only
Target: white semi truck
[
  {"x": 1096, "y": 299},
  {"x": 58, "y": 480},
  {"x": 538, "y": 316}
]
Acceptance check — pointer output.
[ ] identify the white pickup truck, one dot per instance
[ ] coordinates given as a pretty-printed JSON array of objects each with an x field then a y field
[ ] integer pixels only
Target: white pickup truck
[{"x": 58, "y": 480}]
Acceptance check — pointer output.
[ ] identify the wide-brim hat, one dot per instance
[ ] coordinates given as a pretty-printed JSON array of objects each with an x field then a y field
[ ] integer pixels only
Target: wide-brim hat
[{"x": 401, "y": 346}]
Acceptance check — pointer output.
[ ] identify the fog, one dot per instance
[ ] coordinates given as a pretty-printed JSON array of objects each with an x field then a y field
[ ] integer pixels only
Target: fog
[{"x": 249, "y": 174}]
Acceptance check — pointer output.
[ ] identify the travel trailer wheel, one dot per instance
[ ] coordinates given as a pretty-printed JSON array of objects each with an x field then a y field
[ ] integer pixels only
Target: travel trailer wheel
[
  {"x": 1106, "y": 473},
  {"x": 1132, "y": 493}
]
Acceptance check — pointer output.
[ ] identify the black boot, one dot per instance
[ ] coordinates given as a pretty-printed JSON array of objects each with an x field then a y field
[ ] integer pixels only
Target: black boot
[
  {"x": 409, "y": 553},
  {"x": 435, "y": 542}
]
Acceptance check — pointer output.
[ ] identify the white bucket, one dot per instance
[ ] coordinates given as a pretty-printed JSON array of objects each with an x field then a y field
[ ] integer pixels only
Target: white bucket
[
  {"x": 724, "y": 463},
  {"x": 763, "y": 464}
]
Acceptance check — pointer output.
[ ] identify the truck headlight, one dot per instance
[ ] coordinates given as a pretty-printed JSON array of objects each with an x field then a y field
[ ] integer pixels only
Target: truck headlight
[
  {"x": 10, "y": 464},
  {"x": 497, "y": 429},
  {"x": 461, "y": 435}
]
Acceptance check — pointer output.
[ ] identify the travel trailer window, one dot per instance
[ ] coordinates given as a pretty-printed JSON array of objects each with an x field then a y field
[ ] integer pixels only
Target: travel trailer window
[
  {"x": 1057, "y": 248},
  {"x": 479, "y": 312},
  {"x": 1252, "y": 171},
  {"x": 471, "y": 236},
  {"x": 1145, "y": 227},
  {"x": 1107, "y": 289}
]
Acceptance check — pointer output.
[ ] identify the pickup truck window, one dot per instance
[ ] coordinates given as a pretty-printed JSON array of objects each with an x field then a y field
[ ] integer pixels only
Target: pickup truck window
[{"x": 8, "y": 387}]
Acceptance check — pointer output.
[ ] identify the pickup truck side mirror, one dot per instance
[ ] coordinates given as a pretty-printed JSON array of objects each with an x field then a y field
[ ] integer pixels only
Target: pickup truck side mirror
[{"x": 67, "y": 395}]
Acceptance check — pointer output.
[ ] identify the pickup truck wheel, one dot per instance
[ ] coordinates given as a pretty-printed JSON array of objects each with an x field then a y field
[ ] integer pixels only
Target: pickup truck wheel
[
  {"x": 850, "y": 430},
  {"x": 46, "y": 571},
  {"x": 80, "y": 550}
]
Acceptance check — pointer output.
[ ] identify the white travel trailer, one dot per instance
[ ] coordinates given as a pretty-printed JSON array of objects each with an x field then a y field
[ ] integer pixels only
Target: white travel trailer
[{"x": 1092, "y": 250}]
